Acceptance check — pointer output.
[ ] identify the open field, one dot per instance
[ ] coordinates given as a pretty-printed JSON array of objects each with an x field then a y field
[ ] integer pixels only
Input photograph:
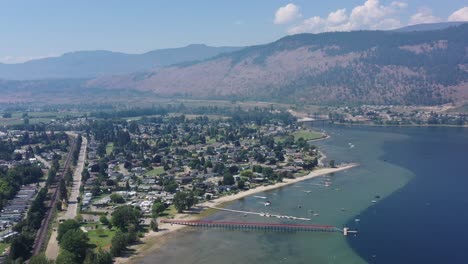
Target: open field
[
  {"x": 109, "y": 148},
  {"x": 155, "y": 171},
  {"x": 35, "y": 117},
  {"x": 307, "y": 135},
  {"x": 101, "y": 237}
]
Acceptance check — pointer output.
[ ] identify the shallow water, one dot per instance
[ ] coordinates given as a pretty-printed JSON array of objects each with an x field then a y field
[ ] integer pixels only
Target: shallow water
[{"x": 381, "y": 152}]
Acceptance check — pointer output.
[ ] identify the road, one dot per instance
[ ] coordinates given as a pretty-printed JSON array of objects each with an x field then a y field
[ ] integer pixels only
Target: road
[{"x": 71, "y": 212}]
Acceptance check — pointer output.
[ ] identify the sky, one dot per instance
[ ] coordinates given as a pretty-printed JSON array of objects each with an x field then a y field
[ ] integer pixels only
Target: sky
[{"x": 36, "y": 29}]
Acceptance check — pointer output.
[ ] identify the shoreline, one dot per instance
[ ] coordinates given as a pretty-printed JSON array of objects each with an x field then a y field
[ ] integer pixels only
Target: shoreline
[
  {"x": 410, "y": 125},
  {"x": 154, "y": 240}
]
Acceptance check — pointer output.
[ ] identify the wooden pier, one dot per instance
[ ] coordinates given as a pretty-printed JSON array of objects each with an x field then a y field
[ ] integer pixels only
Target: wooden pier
[{"x": 255, "y": 226}]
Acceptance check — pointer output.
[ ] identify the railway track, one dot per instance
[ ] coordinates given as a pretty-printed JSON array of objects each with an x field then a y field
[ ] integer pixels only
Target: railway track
[{"x": 42, "y": 232}]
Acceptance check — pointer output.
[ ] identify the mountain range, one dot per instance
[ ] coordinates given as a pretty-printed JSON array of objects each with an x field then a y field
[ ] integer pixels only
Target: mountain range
[
  {"x": 405, "y": 67},
  {"x": 361, "y": 67},
  {"x": 89, "y": 64}
]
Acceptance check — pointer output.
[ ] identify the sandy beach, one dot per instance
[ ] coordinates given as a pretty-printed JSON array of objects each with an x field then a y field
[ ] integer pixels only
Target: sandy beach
[{"x": 153, "y": 240}]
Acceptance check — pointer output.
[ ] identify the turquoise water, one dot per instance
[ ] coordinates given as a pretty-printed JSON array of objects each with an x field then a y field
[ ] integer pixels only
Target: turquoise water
[{"x": 349, "y": 197}]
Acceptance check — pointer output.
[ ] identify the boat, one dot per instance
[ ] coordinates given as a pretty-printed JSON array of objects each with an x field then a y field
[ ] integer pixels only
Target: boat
[
  {"x": 267, "y": 203},
  {"x": 373, "y": 201},
  {"x": 260, "y": 197},
  {"x": 357, "y": 220}
]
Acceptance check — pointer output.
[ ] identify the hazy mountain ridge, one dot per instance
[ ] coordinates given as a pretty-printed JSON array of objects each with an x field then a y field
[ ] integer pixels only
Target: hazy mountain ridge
[
  {"x": 372, "y": 67},
  {"x": 89, "y": 64}
]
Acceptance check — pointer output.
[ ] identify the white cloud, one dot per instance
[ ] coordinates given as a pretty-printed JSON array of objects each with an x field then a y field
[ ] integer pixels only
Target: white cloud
[
  {"x": 399, "y": 4},
  {"x": 459, "y": 15},
  {"x": 424, "y": 15},
  {"x": 370, "y": 15},
  {"x": 337, "y": 17},
  {"x": 286, "y": 14}
]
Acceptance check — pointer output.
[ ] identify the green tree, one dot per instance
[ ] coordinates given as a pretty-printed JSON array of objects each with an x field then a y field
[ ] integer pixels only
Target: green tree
[
  {"x": 102, "y": 257},
  {"x": 40, "y": 259},
  {"x": 66, "y": 257},
  {"x": 154, "y": 225},
  {"x": 103, "y": 219},
  {"x": 126, "y": 215},
  {"x": 64, "y": 227},
  {"x": 118, "y": 243},
  {"x": 332, "y": 163},
  {"x": 241, "y": 184},
  {"x": 75, "y": 241},
  {"x": 190, "y": 200},
  {"x": 63, "y": 190},
  {"x": 157, "y": 209},
  {"x": 20, "y": 247},
  {"x": 180, "y": 201},
  {"x": 247, "y": 173},
  {"x": 117, "y": 198},
  {"x": 228, "y": 179}
]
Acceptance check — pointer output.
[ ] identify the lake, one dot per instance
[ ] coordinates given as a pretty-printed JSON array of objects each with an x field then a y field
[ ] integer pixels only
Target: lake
[{"x": 407, "y": 199}]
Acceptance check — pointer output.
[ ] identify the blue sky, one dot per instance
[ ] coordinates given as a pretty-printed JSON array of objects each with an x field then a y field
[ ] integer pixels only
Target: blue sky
[{"x": 34, "y": 29}]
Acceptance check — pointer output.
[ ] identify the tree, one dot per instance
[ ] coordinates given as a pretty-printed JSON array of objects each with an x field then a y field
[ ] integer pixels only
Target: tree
[
  {"x": 117, "y": 198},
  {"x": 58, "y": 205},
  {"x": 103, "y": 219},
  {"x": 20, "y": 248},
  {"x": 40, "y": 259},
  {"x": 267, "y": 172},
  {"x": 75, "y": 241},
  {"x": 180, "y": 201},
  {"x": 332, "y": 163},
  {"x": 241, "y": 184},
  {"x": 65, "y": 227},
  {"x": 63, "y": 190},
  {"x": 118, "y": 243},
  {"x": 228, "y": 179},
  {"x": 157, "y": 209},
  {"x": 247, "y": 173},
  {"x": 124, "y": 216},
  {"x": 190, "y": 200},
  {"x": 154, "y": 225},
  {"x": 102, "y": 257},
  {"x": 66, "y": 257}
]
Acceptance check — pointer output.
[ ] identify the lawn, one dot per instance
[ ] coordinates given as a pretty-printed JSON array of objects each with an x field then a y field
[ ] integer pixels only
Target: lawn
[
  {"x": 109, "y": 148},
  {"x": 170, "y": 212},
  {"x": 210, "y": 140},
  {"x": 101, "y": 237},
  {"x": 307, "y": 134},
  {"x": 155, "y": 171},
  {"x": 3, "y": 246}
]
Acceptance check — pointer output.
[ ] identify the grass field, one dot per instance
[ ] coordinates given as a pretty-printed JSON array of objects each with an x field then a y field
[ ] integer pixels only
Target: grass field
[
  {"x": 35, "y": 117},
  {"x": 307, "y": 135},
  {"x": 170, "y": 212},
  {"x": 3, "y": 246},
  {"x": 156, "y": 171},
  {"x": 303, "y": 133},
  {"x": 109, "y": 148},
  {"x": 101, "y": 237}
]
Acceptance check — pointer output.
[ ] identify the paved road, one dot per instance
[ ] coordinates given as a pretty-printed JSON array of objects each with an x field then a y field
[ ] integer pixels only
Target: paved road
[{"x": 52, "y": 246}]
